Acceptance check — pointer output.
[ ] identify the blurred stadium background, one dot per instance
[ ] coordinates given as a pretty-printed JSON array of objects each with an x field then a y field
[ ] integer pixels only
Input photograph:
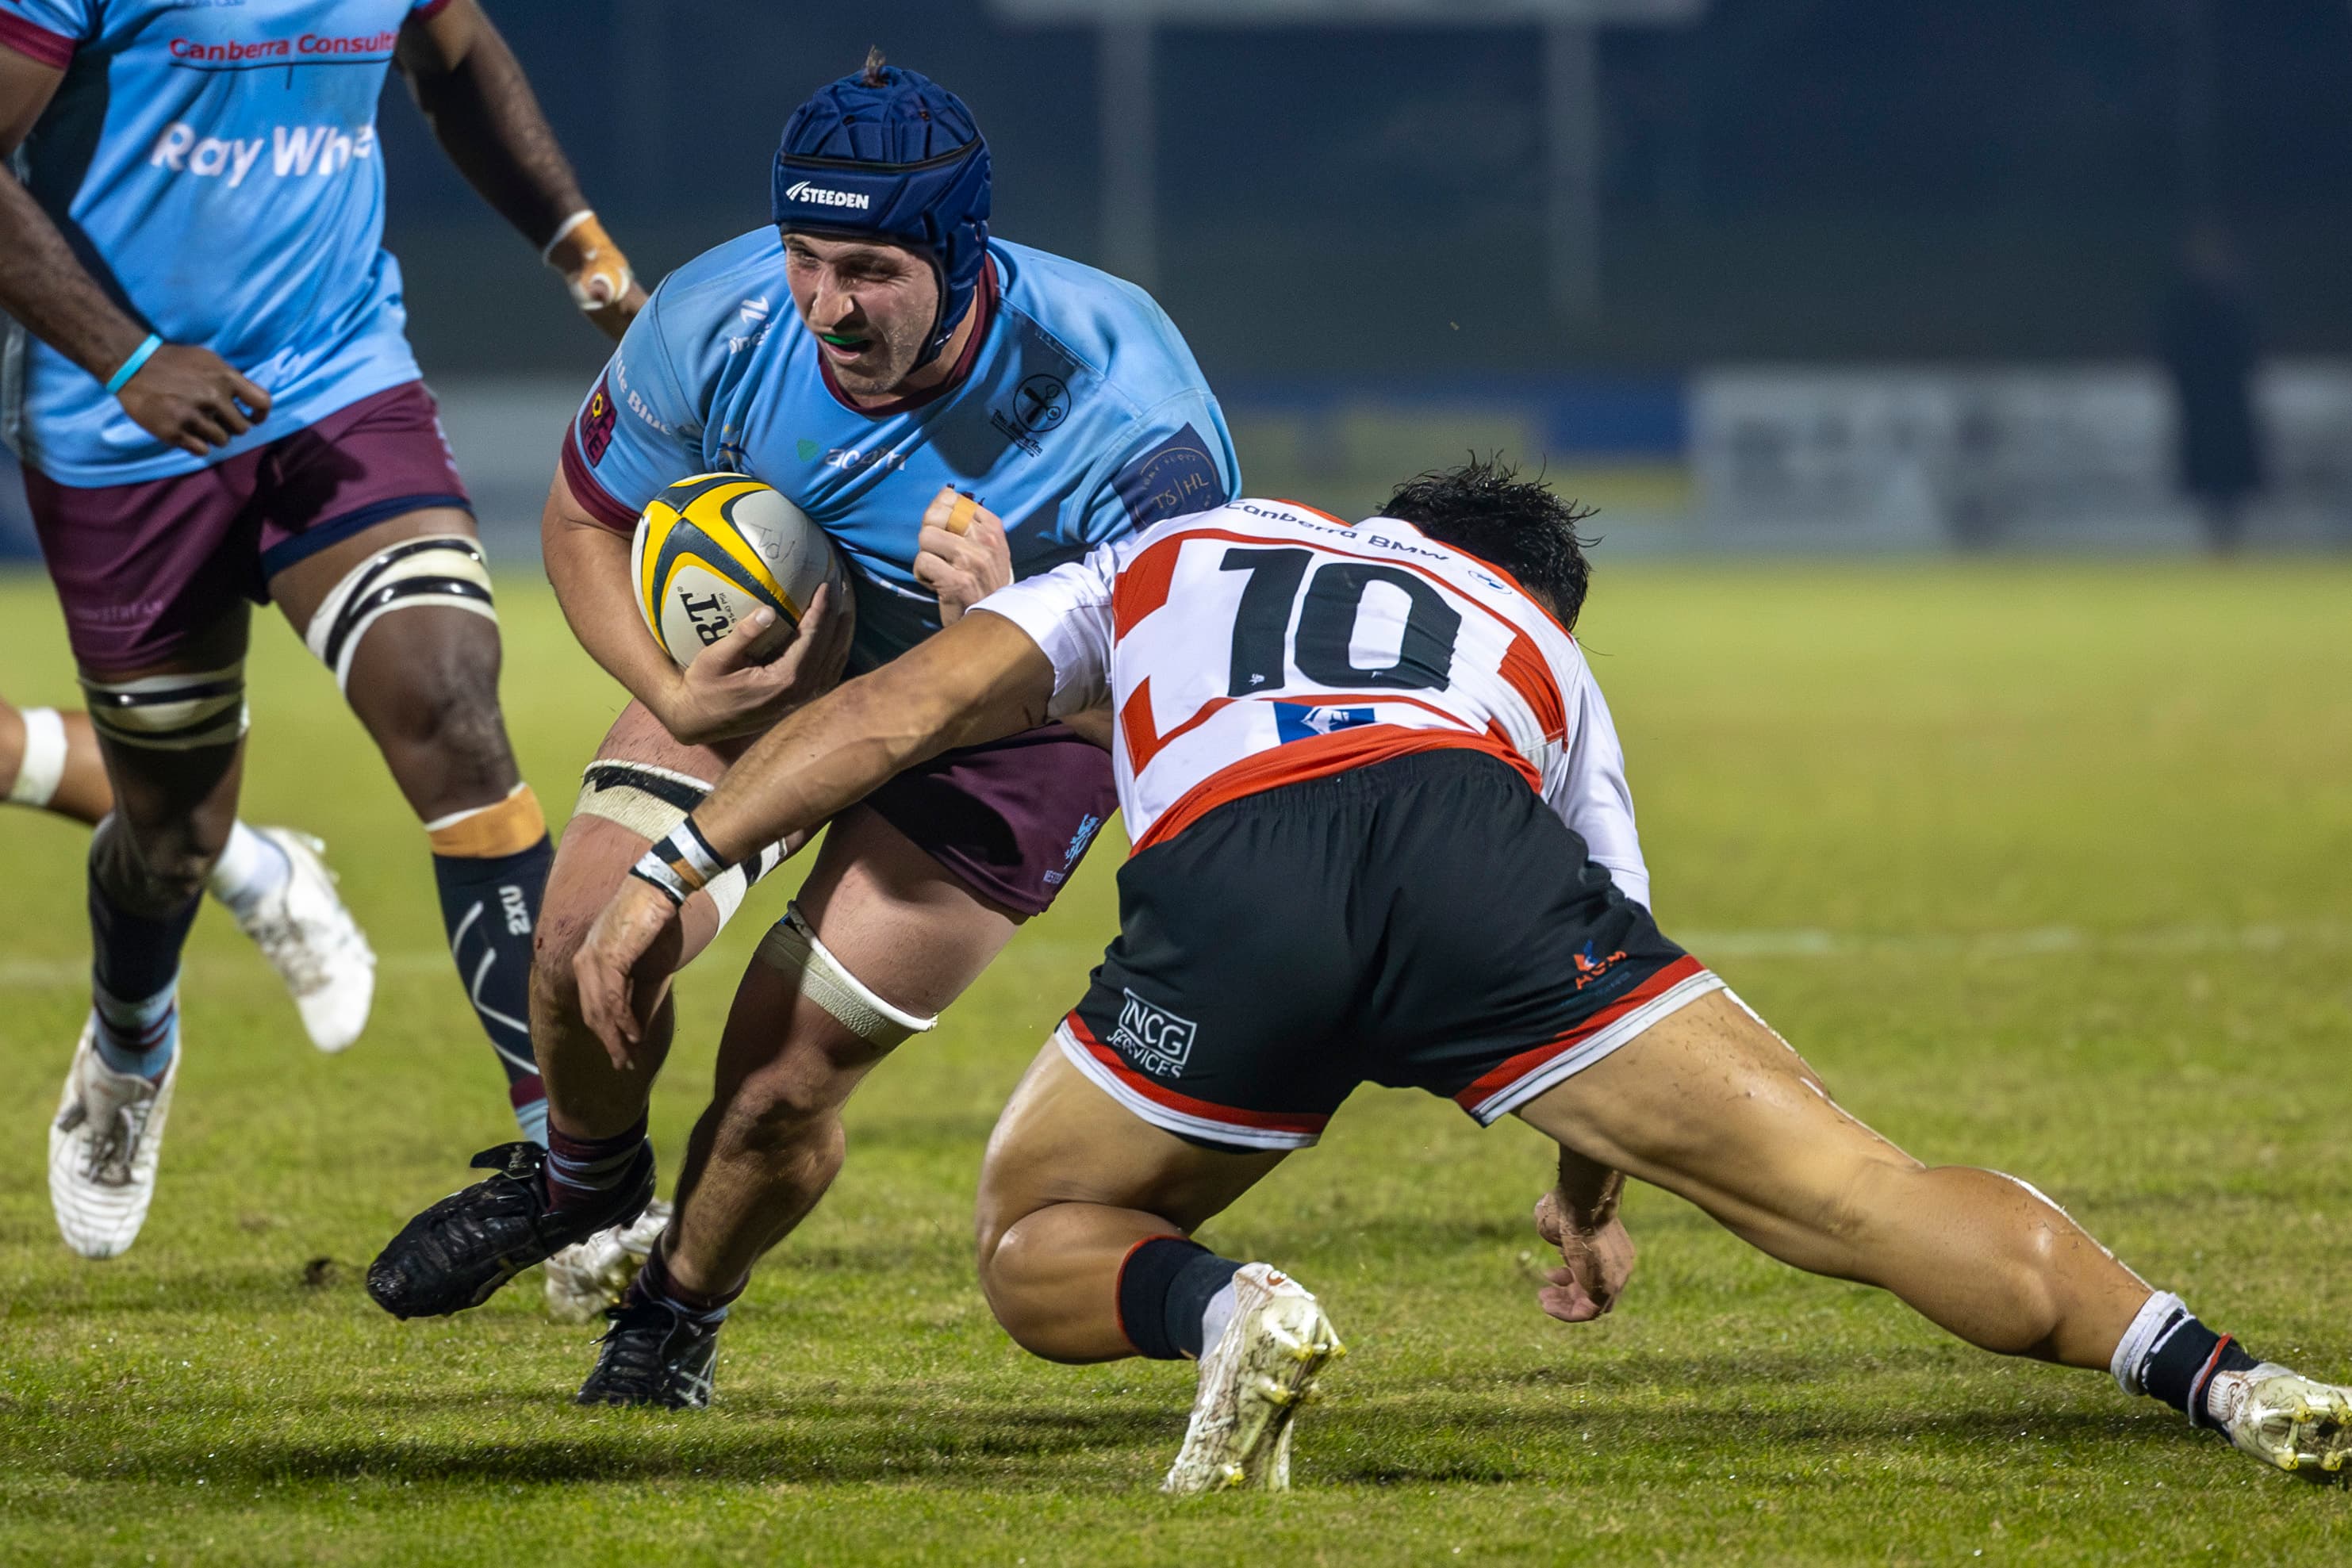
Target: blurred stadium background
[{"x": 1749, "y": 275}]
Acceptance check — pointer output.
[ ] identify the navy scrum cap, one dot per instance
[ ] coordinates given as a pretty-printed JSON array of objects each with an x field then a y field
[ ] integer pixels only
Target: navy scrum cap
[{"x": 889, "y": 154}]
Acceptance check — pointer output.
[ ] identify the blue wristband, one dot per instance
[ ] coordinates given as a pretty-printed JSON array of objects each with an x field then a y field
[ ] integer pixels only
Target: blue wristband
[{"x": 139, "y": 356}]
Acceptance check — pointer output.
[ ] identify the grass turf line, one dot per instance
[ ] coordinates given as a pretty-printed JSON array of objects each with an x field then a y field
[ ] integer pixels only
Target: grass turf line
[{"x": 1921, "y": 761}]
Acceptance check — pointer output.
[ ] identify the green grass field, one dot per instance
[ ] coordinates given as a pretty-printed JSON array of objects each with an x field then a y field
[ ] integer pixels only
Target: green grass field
[{"x": 2046, "y": 867}]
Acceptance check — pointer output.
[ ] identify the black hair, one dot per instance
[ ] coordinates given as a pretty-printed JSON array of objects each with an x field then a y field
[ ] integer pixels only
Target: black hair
[{"x": 1485, "y": 509}]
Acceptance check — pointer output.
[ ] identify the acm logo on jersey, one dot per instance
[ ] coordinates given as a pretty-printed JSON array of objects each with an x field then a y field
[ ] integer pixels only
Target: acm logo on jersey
[{"x": 1154, "y": 1039}]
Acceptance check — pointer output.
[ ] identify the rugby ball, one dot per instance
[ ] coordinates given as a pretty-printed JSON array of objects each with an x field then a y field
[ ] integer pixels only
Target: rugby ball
[{"x": 712, "y": 549}]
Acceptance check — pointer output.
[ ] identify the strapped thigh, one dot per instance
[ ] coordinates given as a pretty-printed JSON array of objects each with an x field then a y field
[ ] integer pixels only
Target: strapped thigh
[
  {"x": 171, "y": 712},
  {"x": 650, "y": 801},
  {"x": 438, "y": 571}
]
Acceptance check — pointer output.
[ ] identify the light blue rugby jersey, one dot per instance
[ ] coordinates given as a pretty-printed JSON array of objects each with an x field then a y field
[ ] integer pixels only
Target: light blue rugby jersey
[
  {"x": 1078, "y": 415},
  {"x": 215, "y": 163}
]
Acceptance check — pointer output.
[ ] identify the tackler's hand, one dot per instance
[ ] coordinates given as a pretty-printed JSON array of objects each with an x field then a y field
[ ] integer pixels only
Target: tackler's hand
[
  {"x": 599, "y": 277},
  {"x": 1596, "y": 1260},
  {"x": 961, "y": 555},
  {"x": 623, "y": 967},
  {"x": 726, "y": 691}
]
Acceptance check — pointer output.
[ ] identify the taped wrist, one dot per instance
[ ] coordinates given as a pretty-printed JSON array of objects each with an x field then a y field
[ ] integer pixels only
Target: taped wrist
[
  {"x": 791, "y": 948},
  {"x": 681, "y": 864},
  {"x": 593, "y": 266},
  {"x": 651, "y": 801}
]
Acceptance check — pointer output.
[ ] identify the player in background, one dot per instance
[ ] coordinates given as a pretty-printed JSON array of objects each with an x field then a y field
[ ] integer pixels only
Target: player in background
[
  {"x": 271, "y": 880},
  {"x": 214, "y": 401},
  {"x": 1383, "y": 834},
  {"x": 880, "y": 360}
]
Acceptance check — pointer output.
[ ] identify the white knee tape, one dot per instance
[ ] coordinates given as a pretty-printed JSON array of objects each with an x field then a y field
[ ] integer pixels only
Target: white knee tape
[
  {"x": 791, "y": 946},
  {"x": 43, "y": 766},
  {"x": 647, "y": 800},
  {"x": 650, "y": 801},
  {"x": 443, "y": 571},
  {"x": 171, "y": 712}
]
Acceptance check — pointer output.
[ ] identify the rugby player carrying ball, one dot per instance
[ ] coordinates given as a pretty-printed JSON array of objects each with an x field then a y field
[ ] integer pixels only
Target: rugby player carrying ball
[
  {"x": 878, "y": 359},
  {"x": 1382, "y": 834}
]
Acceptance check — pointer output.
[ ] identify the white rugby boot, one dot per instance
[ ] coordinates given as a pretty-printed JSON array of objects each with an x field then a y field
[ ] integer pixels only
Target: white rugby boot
[
  {"x": 103, "y": 1147},
  {"x": 2285, "y": 1419},
  {"x": 588, "y": 1276},
  {"x": 1252, "y": 1381},
  {"x": 311, "y": 940}
]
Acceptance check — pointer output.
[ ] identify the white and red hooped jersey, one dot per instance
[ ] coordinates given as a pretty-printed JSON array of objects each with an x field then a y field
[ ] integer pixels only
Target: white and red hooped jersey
[{"x": 1266, "y": 643}]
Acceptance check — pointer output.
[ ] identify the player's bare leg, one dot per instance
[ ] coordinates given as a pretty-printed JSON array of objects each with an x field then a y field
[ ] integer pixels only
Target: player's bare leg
[
  {"x": 401, "y": 613},
  {"x": 173, "y": 738},
  {"x": 1084, "y": 1218},
  {"x": 906, "y": 929},
  {"x": 591, "y": 1192},
  {"x": 271, "y": 879},
  {"x": 1712, "y": 1105}
]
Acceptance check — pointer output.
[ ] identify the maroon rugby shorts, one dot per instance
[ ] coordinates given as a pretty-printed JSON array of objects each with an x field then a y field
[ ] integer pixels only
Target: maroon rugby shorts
[
  {"x": 1012, "y": 818},
  {"x": 143, "y": 569}
]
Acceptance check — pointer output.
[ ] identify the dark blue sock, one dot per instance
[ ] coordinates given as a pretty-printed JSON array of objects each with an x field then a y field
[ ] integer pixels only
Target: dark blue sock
[
  {"x": 489, "y": 908},
  {"x": 135, "y": 980},
  {"x": 1164, "y": 1289},
  {"x": 2181, "y": 1368}
]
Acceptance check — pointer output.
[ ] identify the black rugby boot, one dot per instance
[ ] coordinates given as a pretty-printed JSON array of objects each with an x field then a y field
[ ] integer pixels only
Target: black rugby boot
[
  {"x": 458, "y": 1253},
  {"x": 655, "y": 1353}
]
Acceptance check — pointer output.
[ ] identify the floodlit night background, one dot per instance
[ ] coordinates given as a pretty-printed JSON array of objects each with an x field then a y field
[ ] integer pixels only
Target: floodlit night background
[{"x": 1836, "y": 274}]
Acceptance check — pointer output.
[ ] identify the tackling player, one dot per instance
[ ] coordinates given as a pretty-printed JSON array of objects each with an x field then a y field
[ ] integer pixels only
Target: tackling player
[
  {"x": 901, "y": 377},
  {"x": 1384, "y": 836},
  {"x": 214, "y": 401},
  {"x": 271, "y": 879}
]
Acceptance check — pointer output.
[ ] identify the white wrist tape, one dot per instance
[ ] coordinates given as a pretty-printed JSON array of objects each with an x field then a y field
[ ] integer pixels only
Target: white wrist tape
[
  {"x": 563, "y": 231},
  {"x": 682, "y": 864},
  {"x": 43, "y": 766}
]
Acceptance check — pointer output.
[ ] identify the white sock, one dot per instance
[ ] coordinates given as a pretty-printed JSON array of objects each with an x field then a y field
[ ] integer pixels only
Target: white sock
[
  {"x": 2158, "y": 1316},
  {"x": 249, "y": 870},
  {"x": 1217, "y": 1316}
]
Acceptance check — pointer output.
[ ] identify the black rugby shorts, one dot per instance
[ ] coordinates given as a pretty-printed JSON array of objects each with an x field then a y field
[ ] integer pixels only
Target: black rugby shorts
[{"x": 1425, "y": 922}]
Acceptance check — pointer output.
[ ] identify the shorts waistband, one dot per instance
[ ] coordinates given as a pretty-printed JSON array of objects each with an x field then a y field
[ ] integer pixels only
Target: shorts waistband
[{"x": 1437, "y": 764}]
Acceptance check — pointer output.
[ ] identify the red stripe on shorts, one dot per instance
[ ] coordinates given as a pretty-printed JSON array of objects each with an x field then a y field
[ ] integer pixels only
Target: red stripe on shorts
[
  {"x": 1160, "y": 1094},
  {"x": 1526, "y": 1062}
]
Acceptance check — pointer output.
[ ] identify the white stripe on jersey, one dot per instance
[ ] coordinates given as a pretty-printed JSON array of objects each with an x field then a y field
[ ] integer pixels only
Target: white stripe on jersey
[{"x": 1264, "y": 644}]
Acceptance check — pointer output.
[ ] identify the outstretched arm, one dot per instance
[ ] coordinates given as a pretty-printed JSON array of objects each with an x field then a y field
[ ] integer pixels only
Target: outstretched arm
[
  {"x": 481, "y": 107},
  {"x": 982, "y": 679}
]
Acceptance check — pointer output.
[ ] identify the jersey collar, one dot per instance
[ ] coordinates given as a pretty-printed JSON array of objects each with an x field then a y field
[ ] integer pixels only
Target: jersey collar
[{"x": 986, "y": 297}]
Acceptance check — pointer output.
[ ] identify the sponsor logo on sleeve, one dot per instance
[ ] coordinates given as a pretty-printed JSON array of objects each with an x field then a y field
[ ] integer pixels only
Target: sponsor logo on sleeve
[
  {"x": 1174, "y": 480},
  {"x": 1152, "y": 1037},
  {"x": 596, "y": 425},
  {"x": 1038, "y": 404}
]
